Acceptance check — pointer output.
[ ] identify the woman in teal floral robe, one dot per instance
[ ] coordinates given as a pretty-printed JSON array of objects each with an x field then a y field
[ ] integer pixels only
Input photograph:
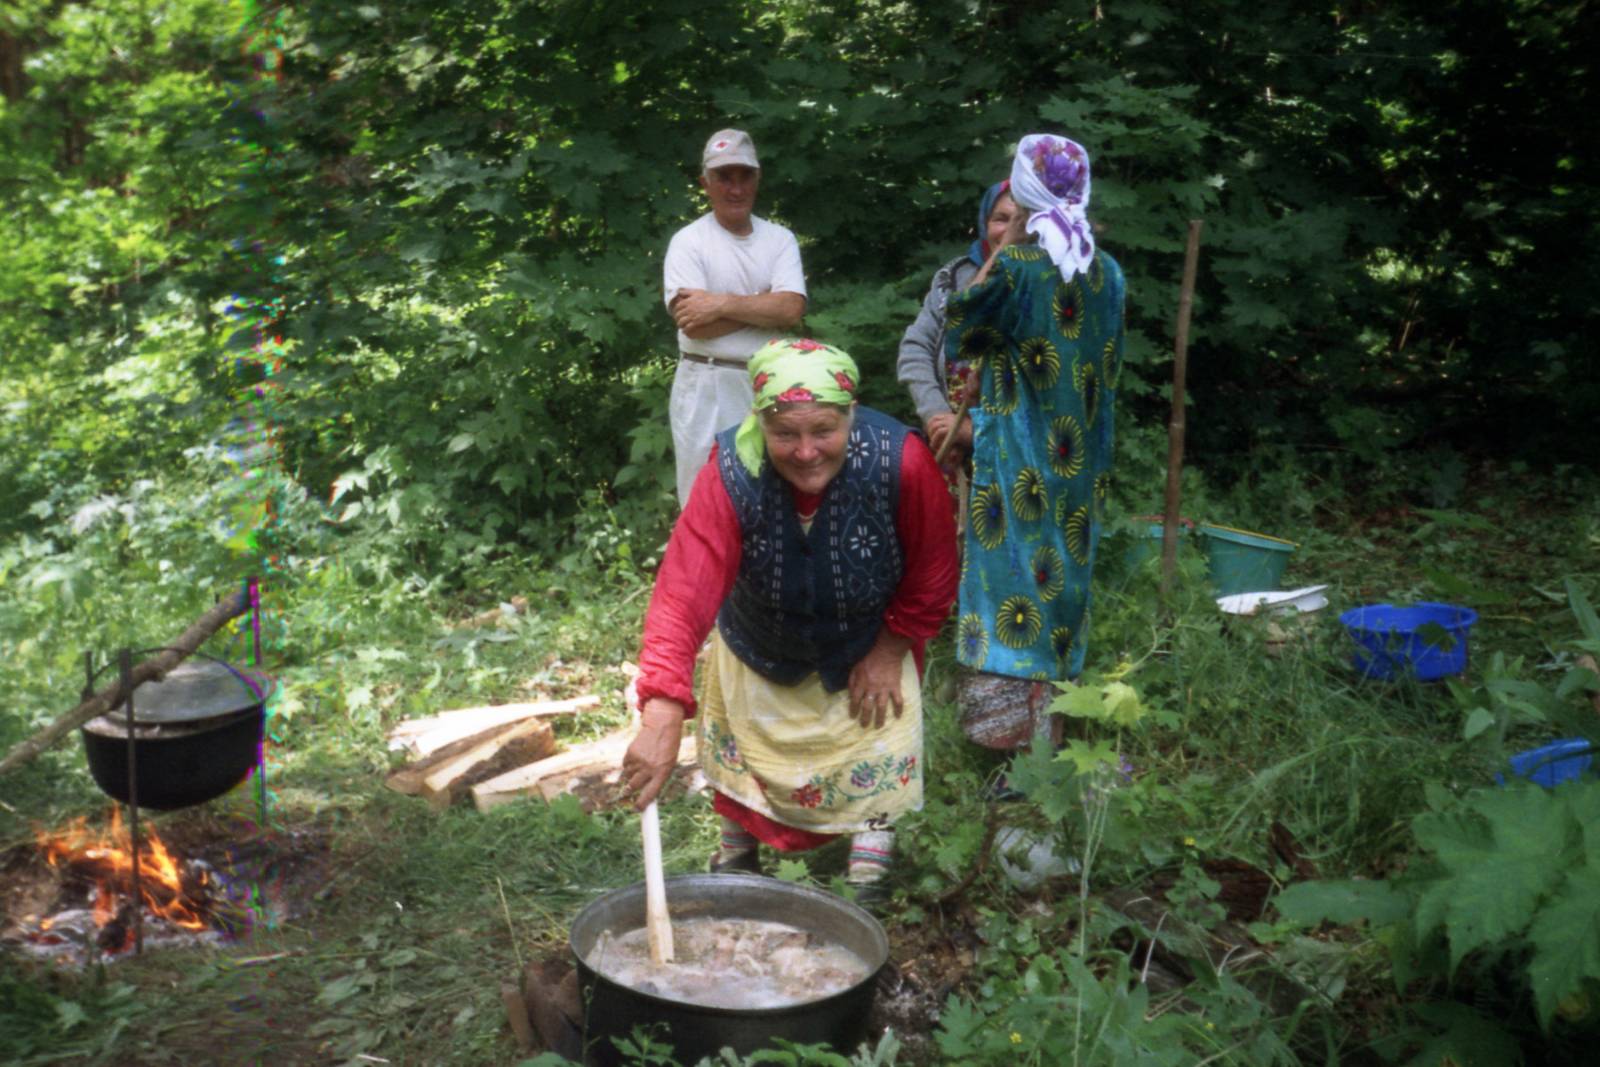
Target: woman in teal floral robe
[{"x": 1047, "y": 328}]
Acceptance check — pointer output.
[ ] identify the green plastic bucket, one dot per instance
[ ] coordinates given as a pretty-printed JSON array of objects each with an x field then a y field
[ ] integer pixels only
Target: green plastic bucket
[
  {"x": 1147, "y": 543},
  {"x": 1242, "y": 561}
]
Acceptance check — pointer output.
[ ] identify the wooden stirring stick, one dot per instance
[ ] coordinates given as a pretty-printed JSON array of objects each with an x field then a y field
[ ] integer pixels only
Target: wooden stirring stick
[{"x": 658, "y": 924}]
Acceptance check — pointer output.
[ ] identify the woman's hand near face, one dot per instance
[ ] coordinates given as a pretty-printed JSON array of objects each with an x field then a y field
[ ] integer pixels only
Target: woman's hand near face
[
  {"x": 653, "y": 755},
  {"x": 875, "y": 680},
  {"x": 1016, "y": 231}
]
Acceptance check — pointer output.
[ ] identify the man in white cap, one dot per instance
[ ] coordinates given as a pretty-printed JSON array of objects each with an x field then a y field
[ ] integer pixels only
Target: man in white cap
[{"x": 732, "y": 282}]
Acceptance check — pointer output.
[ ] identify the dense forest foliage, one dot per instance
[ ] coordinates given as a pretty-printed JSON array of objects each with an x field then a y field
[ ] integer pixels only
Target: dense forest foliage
[
  {"x": 363, "y": 299},
  {"x": 422, "y": 241}
]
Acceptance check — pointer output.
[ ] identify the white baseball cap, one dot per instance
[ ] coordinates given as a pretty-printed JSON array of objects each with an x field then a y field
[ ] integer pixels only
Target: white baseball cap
[{"x": 729, "y": 148}]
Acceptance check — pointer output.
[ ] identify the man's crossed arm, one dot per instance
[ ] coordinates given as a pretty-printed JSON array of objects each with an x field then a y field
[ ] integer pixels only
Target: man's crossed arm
[{"x": 702, "y": 315}]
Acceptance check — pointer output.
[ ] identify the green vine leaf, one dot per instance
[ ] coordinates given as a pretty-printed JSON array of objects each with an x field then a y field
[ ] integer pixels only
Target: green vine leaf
[{"x": 1086, "y": 758}]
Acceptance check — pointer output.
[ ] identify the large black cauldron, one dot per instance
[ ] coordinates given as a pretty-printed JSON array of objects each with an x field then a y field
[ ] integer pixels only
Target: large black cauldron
[
  {"x": 613, "y": 1010},
  {"x": 197, "y": 734}
]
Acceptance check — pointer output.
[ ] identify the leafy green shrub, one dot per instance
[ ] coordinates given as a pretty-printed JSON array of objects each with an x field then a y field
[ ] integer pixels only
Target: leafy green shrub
[
  {"x": 1057, "y": 1008},
  {"x": 1503, "y": 905},
  {"x": 1506, "y": 703},
  {"x": 642, "y": 1051},
  {"x": 1507, "y": 894},
  {"x": 48, "y": 1020}
]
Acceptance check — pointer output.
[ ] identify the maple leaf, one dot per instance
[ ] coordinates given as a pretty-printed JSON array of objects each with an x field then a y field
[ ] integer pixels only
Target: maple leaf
[
  {"x": 1566, "y": 939},
  {"x": 1503, "y": 857}
]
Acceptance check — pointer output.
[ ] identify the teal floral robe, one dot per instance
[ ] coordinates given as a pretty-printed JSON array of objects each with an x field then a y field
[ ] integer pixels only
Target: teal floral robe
[{"x": 1050, "y": 352}]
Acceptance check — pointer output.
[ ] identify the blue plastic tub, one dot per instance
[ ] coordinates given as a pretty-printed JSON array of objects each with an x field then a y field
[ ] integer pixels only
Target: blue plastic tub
[
  {"x": 1425, "y": 641},
  {"x": 1559, "y": 761}
]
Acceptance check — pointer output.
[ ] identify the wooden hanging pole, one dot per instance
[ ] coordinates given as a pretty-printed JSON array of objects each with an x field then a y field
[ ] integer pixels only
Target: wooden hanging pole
[
  {"x": 125, "y": 662},
  {"x": 1175, "y": 428}
]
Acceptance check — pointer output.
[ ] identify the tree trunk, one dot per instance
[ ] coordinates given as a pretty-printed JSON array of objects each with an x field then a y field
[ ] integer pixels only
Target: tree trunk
[{"x": 13, "y": 81}]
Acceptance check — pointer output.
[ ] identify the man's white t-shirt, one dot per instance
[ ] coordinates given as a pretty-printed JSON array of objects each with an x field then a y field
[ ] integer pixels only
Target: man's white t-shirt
[{"x": 705, "y": 256}]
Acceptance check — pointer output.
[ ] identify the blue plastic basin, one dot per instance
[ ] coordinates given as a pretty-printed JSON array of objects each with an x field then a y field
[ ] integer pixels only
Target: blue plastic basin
[
  {"x": 1559, "y": 761},
  {"x": 1425, "y": 641}
]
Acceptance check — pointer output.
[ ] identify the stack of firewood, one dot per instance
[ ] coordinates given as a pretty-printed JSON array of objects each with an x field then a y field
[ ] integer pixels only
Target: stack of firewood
[{"x": 503, "y": 752}]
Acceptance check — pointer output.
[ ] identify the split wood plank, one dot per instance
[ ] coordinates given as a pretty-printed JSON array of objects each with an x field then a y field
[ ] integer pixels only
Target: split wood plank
[
  {"x": 525, "y": 780},
  {"x": 452, "y": 726},
  {"x": 526, "y": 741},
  {"x": 409, "y": 779},
  {"x": 491, "y": 714}
]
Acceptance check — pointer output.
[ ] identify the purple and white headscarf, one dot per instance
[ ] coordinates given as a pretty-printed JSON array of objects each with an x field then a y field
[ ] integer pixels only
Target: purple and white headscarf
[{"x": 1050, "y": 178}]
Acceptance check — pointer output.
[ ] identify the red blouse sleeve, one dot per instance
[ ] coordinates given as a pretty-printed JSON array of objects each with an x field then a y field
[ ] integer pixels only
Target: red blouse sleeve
[
  {"x": 927, "y": 527},
  {"x": 696, "y": 575}
]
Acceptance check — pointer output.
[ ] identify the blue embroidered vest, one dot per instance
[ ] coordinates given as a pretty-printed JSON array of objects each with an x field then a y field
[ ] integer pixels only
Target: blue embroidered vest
[{"x": 805, "y": 602}]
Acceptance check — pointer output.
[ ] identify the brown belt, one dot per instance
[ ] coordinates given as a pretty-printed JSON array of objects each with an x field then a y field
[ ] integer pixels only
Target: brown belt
[{"x": 715, "y": 361}]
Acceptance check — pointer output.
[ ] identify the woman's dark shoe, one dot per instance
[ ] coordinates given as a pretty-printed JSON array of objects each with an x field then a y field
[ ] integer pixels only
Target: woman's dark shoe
[
  {"x": 1002, "y": 791},
  {"x": 748, "y": 862}
]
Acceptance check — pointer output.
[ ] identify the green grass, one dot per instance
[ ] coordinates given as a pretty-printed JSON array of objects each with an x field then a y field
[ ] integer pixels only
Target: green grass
[{"x": 404, "y": 957}]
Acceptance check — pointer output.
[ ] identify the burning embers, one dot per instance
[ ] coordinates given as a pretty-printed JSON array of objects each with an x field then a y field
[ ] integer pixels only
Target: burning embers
[{"x": 97, "y": 911}]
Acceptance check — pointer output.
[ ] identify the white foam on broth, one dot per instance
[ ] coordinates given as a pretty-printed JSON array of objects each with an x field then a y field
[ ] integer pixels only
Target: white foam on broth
[{"x": 731, "y": 963}]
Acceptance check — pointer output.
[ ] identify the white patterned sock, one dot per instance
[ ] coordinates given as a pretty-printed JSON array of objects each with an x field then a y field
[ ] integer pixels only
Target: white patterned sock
[{"x": 871, "y": 852}]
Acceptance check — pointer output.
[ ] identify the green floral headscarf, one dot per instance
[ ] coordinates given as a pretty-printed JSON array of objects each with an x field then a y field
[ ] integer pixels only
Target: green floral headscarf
[{"x": 790, "y": 371}]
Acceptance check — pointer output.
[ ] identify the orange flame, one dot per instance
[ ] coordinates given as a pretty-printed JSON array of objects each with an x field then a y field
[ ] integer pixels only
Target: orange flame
[{"x": 106, "y": 859}]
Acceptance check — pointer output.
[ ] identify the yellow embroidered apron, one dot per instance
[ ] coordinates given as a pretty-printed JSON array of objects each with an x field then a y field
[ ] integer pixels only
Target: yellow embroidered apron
[{"x": 794, "y": 754}]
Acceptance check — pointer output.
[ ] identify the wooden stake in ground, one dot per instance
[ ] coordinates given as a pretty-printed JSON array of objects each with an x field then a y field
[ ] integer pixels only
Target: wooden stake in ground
[
  {"x": 1175, "y": 428},
  {"x": 517, "y": 1016},
  {"x": 151, "y": 670},
  {"x": 658, "y": 924}
]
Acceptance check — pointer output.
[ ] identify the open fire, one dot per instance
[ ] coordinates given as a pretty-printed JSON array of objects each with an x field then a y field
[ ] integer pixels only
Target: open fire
[{"x": 95, "y": 907}]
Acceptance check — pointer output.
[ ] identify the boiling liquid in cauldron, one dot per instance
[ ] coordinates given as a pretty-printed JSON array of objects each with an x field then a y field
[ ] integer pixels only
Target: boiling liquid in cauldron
[{"x": 732, "y": 963}]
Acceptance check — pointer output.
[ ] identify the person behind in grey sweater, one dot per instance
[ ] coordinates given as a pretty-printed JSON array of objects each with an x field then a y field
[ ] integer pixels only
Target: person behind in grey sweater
[{"x": 921, "y": 365}]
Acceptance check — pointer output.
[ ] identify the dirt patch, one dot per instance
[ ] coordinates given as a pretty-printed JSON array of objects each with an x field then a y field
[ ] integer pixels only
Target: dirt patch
[{"x": 927, "y": 962}]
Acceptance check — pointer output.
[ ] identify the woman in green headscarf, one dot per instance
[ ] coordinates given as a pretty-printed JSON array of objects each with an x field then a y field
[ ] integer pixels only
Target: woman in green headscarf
[{"x": 818, "y": 541}]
